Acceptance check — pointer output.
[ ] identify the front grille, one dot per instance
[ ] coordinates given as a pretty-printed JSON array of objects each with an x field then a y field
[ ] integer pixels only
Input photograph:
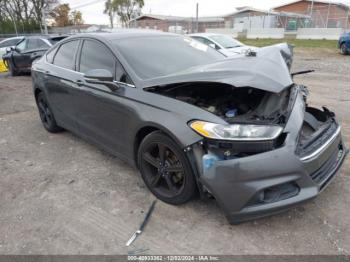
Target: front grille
[
  {"x": 326, "y": 172},
  {"x": 312, "y": 143}
]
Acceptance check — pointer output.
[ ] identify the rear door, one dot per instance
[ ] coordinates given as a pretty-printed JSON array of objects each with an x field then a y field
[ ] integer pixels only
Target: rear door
[{"x": 61, "y": 76}]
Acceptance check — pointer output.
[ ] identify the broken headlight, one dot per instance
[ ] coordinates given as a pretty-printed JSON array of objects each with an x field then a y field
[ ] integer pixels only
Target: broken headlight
[{"x": 236, "y": 132}]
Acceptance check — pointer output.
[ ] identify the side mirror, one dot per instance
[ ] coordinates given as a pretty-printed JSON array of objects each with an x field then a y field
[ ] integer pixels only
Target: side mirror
[
  {"x": 9, "y": 49},
  {"x": 212, "y": 46},
  {"x": 101, "y": 77}
]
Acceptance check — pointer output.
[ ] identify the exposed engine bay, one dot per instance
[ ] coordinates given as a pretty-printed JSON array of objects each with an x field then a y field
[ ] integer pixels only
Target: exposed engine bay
[{"x": 234, "y": 105}]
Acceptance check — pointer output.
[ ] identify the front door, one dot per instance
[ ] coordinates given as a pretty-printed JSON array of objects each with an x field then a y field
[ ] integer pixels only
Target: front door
[{"x": 102, "y": 115}]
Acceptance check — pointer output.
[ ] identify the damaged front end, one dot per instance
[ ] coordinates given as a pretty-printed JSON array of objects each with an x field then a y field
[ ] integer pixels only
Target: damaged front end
[
  {"x": 245, "y": 110},
  {"x": 270, "y": 150},
  {"x": 252, "y": 178}
]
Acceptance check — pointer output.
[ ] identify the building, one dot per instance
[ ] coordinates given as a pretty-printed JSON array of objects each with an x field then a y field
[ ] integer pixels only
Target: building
[
  {"x": 242, "y": 16},
  {"x": 176, "y": 23},
  {"x": 323, "y": 14},
  {"x": 247, "y": 17}
]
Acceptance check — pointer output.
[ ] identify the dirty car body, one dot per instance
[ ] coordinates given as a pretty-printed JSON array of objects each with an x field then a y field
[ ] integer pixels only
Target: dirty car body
[{"x": 245, "y": 127}]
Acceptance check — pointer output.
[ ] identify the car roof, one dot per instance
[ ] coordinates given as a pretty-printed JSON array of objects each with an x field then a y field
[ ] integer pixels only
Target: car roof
[
  {"x": 44, "y": 36},
  {"x": 125, "y": 33},
  {"x": 205, "y": 34}
]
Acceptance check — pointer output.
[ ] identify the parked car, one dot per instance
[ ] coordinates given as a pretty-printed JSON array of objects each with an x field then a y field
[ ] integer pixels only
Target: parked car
[
  {"x": 9, "y": 42},
  {"x": 19, "y": 58},
  {"x": 192, "y": 120},
  {"x": 344, "y": 43},
  {"x": 223, "y": 43}
]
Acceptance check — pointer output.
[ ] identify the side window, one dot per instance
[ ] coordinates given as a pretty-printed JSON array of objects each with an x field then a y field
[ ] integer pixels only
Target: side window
[
  {"x": 50, "y": 55},
  {"x": 207, "y": 42},
  {"x": 42, "y": 44},
  {"x": 32, "y": 44},
  {"x": 121, "y": 75},
  {"x": 95, "y": 56},
  {"x": 22, "y": 45},
  {"x": 211, "y": 44},
  {"x": 65, "y": 55}
]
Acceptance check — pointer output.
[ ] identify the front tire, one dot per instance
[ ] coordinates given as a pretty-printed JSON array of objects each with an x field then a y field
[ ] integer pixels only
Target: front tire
[
  {"x": 165, "y": 169},
  {"x": 343, "y": 49},
  {"x": 46, "y": 115}
]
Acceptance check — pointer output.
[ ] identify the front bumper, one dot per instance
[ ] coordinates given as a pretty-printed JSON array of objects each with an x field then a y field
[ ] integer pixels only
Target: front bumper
[{"x": 237, "y": 183}]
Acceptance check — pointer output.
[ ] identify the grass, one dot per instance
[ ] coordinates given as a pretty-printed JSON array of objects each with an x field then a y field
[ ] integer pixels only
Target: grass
[{"x": 296, "y": 42}]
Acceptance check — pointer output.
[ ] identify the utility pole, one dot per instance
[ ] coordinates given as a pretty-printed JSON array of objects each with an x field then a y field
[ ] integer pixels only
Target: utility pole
[
  {"x": 197, "y": 7},
  {"x": 311, "y": 11},
  {"x": 43, "y": 18},
  {"x": 329, "y": 7}
]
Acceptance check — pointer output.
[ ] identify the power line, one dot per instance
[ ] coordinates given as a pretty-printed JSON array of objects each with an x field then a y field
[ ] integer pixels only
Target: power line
[{"x": 86, "y": 4}]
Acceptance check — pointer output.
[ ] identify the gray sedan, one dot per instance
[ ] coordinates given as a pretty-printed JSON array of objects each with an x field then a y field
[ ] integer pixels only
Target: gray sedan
[{"x": 192, "y": 121}]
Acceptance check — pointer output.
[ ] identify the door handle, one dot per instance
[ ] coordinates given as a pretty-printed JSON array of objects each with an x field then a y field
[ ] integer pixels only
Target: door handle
[{"x": 79, "y": 82}]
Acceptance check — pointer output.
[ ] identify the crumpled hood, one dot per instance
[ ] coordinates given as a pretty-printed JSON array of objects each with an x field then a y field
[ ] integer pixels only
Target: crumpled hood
[{"x": 266, "y": 71}]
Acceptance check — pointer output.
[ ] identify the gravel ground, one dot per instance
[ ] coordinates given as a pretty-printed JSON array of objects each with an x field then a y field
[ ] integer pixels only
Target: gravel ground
[{"x": 60, "y": 195}]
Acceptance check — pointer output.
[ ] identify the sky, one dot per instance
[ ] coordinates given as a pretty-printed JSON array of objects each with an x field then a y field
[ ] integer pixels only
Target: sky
[{"x": 93, "y": 9}]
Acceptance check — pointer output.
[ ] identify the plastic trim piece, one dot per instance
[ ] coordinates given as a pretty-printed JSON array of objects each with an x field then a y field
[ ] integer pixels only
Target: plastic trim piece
[{"x": 321, "y": 148}]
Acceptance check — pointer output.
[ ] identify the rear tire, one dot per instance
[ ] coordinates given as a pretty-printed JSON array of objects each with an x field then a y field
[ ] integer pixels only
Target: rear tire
[
  {"x": 343, "y": 49},
  {"x": 12, "y": 70},
  {"x": 165, "y": 169},
  {"x": 46, "y": 115}
]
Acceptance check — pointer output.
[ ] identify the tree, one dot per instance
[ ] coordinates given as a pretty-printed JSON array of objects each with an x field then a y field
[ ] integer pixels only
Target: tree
[
  {"x": 110, "y": 11},
  {"x": 61, "y": 15},
  {"x": 23, "y": 15},
  {"x": 125, "y": 9},
  {"x": 39, "y": 5},
  {"x": 128, "y": 9},
  {"x": 77, "y": 17}
]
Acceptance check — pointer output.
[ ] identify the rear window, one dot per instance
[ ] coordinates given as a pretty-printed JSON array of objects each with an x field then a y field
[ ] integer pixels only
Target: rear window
[
  {"x": 55, "y": 40},
  {"x": 65, "y": 55},
  {"x": 156, "y": 56}
]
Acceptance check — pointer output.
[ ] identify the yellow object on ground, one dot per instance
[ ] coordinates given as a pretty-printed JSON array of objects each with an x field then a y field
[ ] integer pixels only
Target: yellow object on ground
[{"x": 3, "y": 68}]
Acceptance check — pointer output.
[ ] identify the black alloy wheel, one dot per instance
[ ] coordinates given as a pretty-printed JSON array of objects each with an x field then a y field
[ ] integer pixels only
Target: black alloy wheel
[
  {"x": 46, "y": 115},
  {"x": 165, "y": 169}
]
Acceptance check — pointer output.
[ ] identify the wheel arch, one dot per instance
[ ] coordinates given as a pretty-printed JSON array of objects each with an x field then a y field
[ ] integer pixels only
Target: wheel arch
[
  {"x": 147, "y": 129},
  {"x": 37, "y": 91}
]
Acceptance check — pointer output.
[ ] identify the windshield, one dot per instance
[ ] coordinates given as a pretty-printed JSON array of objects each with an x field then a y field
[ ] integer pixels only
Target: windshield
[
  {"x": 226, "y": 41},
  {"x": 157, "y": 56}
]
